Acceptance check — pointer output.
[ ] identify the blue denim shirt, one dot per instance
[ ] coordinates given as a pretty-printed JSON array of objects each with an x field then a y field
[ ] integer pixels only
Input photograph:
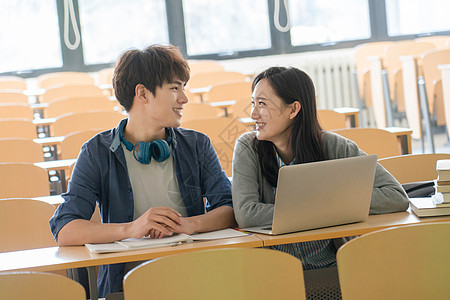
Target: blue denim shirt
[{"x": 100, "y": 176}]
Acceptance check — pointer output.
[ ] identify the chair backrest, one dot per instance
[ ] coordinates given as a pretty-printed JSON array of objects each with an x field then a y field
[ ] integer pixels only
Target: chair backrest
[
  {"x": 80, "y": 104},
  {"x": 39, "y": 286},
  {"x": 406, "y": 262},
  {"x": 242, "y": 273},
  {"x": 393, "y": 65},
  {"x": 432, "y": 75},
  {"x": 362, "y": 64},
  {"x": 12, "y": 83},
  {"x": 242, "y": 108},
  {"x": 224, "y": 152},
  {"x": 13, "y": 97},
  {"x": 211, "y": 78},
  {"x": 20, "y": 150},
  {"x": 229, "y": 91},
  {"x": 330, "y": 119},
  {"x": 71, "y": 145},
  {"x": 23, "y": 180},
  {"x": 64, "y": 91},
  {"x": 439, "y": 41},
  {"x": 17, "y": 128},
  {"x": 204, "y": 66},
  {"x": 16, "y": 111},
  {"x": 199, "y": 111},
  {"x": 104, "y": 76},
  {"x": 373, "y": 141},
  {"x": 219, "y": 130},
  {"x": 24, "y": 224},
  {"x": 70, "y": 123},
  {"x": 413, "y": 167},
  {"x": 48, "y": 80}
]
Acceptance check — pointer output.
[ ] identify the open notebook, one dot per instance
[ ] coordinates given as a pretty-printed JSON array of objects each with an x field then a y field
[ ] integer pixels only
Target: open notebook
[{"x": 144, "y": 243}]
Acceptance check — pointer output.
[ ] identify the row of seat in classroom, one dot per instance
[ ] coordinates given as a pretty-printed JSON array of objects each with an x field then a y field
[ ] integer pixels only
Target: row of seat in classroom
[
  {"x": 401, "y": 82},
  {"x": 405, "y": 168},
  {"x": 365, "y": 272}
]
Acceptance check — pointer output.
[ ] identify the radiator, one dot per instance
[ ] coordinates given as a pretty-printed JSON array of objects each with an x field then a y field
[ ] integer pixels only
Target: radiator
[{"x": 331, "y": 72}]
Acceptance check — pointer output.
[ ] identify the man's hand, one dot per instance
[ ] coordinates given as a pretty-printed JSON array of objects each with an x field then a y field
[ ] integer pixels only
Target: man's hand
[{"x": 157, "y": 221}]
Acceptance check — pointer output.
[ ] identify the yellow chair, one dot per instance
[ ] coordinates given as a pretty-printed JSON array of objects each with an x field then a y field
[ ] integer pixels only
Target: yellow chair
[
  {"x": 13, "y": 97},
  {"x": 406, "y": 262},
  {"x": 433, "y": 81},
  {"x": 80, "y": 104},
  {"x": 71, "y": 145},
  {"x": 73, "y": 122},
  {"x": 219, "y": 130},
  {"x": 39, "y": 286},
  {"x": 224, "y": 152},
  {"x": 199, "y": 111},
  {"x": 24, "y": 224},
  {"x": 48, "y": 80},
  {"x": 330, "y": 119},
  {"x": 104, "y": 76},
  {"x": 413, "y": 167},
  {"x": 16, "y": 111},
  {"x": 241, "y": 273},
  {"x": 229, "y": 91},
  {"x": 17, "y": 128},
  {"x": 12, "y": 83},
  {"x": 439, "y": 41},
  {"x": 20, "y": 150},
  {"x": 393, "y": 66},
  {"x": 204, "y": 66},
  {"x": 23, "y": 180},
  {"x": 373, "y": 141},
  {"x": 242, "y": 108},
  {"x": 362, "y": 64},
  {"x": 206, "y": 79},
  {"x": 64, "y": 91}
]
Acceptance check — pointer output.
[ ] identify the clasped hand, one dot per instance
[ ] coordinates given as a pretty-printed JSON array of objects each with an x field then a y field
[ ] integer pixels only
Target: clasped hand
[{"x": 158, "y": 222}]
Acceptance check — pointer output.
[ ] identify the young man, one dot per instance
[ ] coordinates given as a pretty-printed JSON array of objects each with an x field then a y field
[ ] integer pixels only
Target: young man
[{"x": 148, "y": 176}]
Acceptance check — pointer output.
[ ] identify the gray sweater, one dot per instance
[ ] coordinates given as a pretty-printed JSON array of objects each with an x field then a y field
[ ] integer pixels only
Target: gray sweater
[{"x": 253, "y": 197}]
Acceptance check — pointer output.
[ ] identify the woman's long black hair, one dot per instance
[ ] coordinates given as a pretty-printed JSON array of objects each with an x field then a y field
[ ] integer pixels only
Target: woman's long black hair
[{"x": 292, "y": 84}]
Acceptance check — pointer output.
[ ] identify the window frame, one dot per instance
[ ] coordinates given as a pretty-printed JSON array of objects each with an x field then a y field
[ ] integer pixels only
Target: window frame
[{"x": 281, "y": 42}]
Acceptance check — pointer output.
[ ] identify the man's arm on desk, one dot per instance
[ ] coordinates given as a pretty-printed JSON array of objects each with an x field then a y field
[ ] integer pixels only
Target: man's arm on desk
[{"x": 80, "y": 232}]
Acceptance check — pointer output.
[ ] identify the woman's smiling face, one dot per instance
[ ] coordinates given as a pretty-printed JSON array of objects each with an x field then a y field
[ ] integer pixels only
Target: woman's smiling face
[{"x": 273, "y": 117}]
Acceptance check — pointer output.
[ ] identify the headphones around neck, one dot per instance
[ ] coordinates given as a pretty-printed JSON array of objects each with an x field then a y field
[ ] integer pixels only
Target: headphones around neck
[{"x": 144, "y": 151}]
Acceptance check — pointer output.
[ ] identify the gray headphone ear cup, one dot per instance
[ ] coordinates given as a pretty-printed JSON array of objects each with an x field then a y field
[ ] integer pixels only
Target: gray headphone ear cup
[
  {"x": 160, "y": 150},
  {"x": 142, "y": 152}
]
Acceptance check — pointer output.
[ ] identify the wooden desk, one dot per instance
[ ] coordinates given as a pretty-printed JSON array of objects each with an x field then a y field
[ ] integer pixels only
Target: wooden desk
[
  {"x": 374, "y": 222},
  {"x": 200, "y": 92},
  {"x": 60, "y": 258},
  {"x": 54, "y": 200},
  {"x": 223, "y": 105},
  {"x": 403, "y": 137},
  {"x": 62, "y": 166}
]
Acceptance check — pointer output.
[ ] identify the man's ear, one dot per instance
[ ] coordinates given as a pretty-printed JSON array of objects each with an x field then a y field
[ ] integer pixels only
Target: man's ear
[
  {"x": 295, "y": 109},
  {"x": 141, "y": 92}
]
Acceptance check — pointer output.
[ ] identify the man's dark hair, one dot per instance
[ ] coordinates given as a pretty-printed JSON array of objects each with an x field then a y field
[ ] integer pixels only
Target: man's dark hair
[{"x": 150, "y": 67}]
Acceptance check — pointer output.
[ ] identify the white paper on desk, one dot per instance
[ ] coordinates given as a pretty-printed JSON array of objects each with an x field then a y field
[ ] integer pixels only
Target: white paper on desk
[
  {"x": 146, "y": 242},
  {"x": 218, "y": 234}
]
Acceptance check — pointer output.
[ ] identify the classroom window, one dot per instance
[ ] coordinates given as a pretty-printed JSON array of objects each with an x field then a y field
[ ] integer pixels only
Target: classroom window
[
  {"x": 224, "y": 27},
  {"x": 113, "y": 26},
  {"x": 328, "y": 21},
  {"x": 29, "y": 35},
  {"x": 417, "y": 16}
]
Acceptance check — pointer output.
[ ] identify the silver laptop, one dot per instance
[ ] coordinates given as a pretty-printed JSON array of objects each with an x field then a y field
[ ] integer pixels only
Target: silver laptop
[{"x": 322, "y": 194}]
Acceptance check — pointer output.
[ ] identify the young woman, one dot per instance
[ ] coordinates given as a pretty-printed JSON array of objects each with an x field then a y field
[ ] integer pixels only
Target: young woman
[{"x": 288, "y": 132}]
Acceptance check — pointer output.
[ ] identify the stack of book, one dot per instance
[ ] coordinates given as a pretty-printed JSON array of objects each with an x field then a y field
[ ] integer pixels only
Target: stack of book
[{"x": 439, "y": 203}]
